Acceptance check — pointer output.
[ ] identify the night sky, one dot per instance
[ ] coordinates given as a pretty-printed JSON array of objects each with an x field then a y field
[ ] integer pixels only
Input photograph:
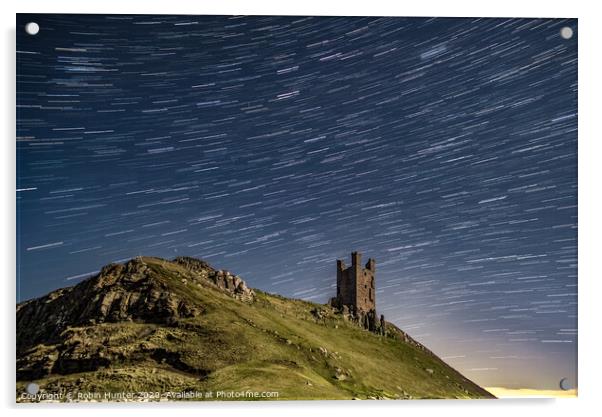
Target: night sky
[{"x": 446, "y": 149}]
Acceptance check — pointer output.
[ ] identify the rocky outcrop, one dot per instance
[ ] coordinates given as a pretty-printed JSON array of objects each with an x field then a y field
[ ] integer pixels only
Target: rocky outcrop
[
  {"x": 51, "y": 330},
  {"x": 124, "y": 292},
  {"x": 365, "y": 319},
  {"x": 133, "y": 291},
  {"x": 224, "y": 280},
  {"x": 195, "y": 265}
]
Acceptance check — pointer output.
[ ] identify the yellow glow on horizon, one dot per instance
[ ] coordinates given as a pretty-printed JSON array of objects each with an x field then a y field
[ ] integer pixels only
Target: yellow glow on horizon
[{"x": 501, "y": 392}]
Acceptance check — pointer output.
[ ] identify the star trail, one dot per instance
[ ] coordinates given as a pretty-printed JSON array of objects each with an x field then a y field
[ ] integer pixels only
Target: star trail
[{"x": 445, "y": 148}]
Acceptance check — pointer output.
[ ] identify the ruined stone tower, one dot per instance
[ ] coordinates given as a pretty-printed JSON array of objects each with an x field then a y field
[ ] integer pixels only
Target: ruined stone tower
[
  {"x": 355, "y": 285},
  {"x": 356, "y": 293}
]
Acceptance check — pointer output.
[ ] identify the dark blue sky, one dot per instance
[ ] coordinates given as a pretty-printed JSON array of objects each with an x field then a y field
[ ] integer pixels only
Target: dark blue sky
[{"x": 271, "y": 146}]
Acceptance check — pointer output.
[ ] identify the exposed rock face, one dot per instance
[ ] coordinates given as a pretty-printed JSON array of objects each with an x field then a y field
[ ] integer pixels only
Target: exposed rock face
[
  {"x": 221, "y": 278},
  {"x": 136, "y": 291},
  {"x": 119, "y": 292}
]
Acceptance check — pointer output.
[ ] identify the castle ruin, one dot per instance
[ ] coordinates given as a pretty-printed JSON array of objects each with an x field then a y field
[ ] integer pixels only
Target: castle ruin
[{"x": 356, "y": 292}]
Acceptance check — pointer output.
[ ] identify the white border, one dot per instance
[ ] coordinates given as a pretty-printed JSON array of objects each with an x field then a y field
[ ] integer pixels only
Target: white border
[{"x": 590, "y": 160}]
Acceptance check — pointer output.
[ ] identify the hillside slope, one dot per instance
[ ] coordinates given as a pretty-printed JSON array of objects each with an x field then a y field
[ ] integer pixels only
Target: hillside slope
[{"x": 153, "y": 325}]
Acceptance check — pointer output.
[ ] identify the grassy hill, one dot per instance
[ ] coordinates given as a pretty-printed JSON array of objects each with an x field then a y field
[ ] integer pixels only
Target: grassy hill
[{"x": 153, "y": 325}]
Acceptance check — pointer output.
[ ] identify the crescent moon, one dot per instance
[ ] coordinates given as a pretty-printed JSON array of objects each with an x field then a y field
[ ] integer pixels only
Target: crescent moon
[{"x": 564, "y": 384}]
